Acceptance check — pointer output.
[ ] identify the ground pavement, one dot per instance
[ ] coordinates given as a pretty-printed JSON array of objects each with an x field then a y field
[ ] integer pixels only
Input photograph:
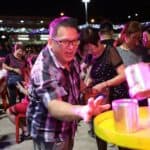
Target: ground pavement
[{"x": 7, "y": 137}]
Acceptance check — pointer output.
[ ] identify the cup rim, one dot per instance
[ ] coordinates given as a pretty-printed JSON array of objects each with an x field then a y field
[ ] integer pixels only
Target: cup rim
[{"x": 124, "y": 101}]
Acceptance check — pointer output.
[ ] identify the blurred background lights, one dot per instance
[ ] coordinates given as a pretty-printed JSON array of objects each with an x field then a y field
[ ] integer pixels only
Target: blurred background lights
[
  {"x": 3, "y": 36},
  {"x": 41, "y": 21},
  {"x": 92, "y": 20},
  {"x": 129, "y": 17},
  {"x": 62, "y": 14},
  {"x": 21, "y": 21}
]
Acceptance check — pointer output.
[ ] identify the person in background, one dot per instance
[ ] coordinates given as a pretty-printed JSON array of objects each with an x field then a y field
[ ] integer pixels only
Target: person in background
[
  {"x": 106, "y": 33},
  {"x": 82, "y": 50},
  {"x": 130, "y": 48},
  {"x": 15, "y": 63},
  {"x": 20, "y": 108},
  {"x": 86, "y": 54},
  {"x": 106, "y": 74},
  {"x": 130, "y": 43},
  {"x": 146, "y": 43},
  {"x": 54, "y": 91},
  {"x": 106, "y": 65}
]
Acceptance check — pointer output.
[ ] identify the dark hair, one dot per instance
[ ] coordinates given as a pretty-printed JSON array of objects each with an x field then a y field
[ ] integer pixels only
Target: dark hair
[
  {"x": 106, "y": 27},
  {"x": 62, "y": 21},
  {"x": 88, "y": 35}
]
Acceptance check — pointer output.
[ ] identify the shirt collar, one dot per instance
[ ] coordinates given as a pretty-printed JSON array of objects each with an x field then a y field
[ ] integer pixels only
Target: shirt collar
[{"x": 57, "y": 63}]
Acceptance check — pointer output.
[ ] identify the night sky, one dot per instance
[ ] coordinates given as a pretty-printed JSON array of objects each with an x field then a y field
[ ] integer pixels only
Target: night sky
[{"x": 115, "y": 10}]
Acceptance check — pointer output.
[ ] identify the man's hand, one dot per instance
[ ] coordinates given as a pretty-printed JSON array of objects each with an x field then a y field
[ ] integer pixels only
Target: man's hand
[{"x": 93, "y": 108}]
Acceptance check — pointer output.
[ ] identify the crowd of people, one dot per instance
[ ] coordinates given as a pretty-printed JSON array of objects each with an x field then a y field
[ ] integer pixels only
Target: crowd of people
[{"x": 75, "y": 77}]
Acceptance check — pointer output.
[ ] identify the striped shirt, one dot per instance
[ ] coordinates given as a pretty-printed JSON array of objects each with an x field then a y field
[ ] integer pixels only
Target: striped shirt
[{"x": 49, "y": 80}]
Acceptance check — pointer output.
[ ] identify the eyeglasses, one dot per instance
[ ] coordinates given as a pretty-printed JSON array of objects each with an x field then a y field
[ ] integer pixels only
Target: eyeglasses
[{"x": 67, "y": 43}]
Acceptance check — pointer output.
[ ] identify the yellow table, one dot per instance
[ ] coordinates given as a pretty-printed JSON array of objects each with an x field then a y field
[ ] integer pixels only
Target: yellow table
[{"x": 105, "y": 129}]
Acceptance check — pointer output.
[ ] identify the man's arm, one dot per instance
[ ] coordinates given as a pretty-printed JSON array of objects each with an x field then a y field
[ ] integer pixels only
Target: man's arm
[{"x": 65, "y": 111}]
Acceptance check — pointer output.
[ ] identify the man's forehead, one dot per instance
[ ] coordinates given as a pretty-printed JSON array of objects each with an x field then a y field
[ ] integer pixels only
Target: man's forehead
[
  {"x": 64, "y": 29},
  {"x": 67, "y": 32}
]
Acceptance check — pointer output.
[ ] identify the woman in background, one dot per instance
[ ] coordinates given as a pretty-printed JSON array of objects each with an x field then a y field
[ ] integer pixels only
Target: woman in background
[
  {"x": 14, "y": 64},
  {"x": 106, "y": 74},
  {"x": 20, "y": 108}
]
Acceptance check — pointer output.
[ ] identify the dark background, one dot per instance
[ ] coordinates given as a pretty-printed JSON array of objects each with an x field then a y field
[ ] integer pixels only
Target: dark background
[{"x": 115, "y": 10}]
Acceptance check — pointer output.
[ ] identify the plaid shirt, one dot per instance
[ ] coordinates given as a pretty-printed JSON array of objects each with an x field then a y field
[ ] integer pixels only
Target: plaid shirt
[{"x": 49, "y": 80}]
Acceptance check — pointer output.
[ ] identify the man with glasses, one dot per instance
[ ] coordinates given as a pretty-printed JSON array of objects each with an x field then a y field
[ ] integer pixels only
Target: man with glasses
[{"x": 54, "y": 109}]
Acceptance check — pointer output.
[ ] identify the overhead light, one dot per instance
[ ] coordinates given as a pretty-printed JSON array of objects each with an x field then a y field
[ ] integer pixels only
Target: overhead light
[
  {"x": 2, "y": 29},
  {"x": 44, "y": 37},
  {"x": 129, "y": 17},
  {"x": 86, "y": 1},
  {"x": 41, "y": 21},
  {"x": 3, "y": 36},
  {"x": 21, "y": 21},
  {"x": 92, "y": 20},
  {"x": 86, "y": 10},
  {"x": 22, "y": 37},
  {"x": 62, "y": 14}
]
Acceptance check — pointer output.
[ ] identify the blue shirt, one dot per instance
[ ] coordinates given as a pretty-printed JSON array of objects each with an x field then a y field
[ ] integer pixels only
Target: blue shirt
[{"x": 50, "y": 80}]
